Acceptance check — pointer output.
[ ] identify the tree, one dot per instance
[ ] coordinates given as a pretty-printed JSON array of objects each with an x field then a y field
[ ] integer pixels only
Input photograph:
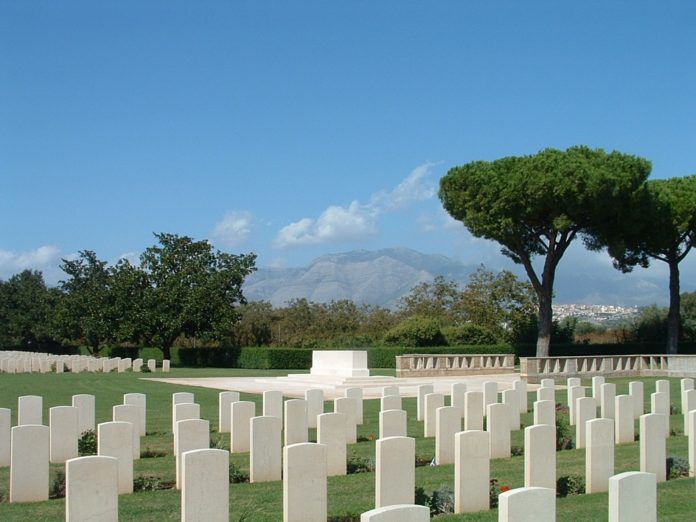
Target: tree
[
  {"x": 191, "y": 290},
  {"x": 26, "y": 310},
  {"x": 86, "y": 311},
  {"x": 663, "y": 227},
  {"x": 688, "y": 313},
  {"x": 537, "y": 205},
  {"x": 438, "y": 299}
]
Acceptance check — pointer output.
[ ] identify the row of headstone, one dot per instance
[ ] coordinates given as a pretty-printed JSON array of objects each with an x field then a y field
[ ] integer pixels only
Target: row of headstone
[{"x": 28, "y": 362}]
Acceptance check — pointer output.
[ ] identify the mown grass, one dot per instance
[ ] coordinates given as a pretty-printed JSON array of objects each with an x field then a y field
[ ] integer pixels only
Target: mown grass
[{"x": 351, "y": 494}]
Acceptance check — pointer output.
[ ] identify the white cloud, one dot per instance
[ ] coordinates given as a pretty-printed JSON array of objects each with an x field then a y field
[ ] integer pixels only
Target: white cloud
[
  {"x": 234, "y": 229},
  {"x": 351, "y": 223},
  {"x": 45, "y": 258},
  {"x": 357, "y": 221}
]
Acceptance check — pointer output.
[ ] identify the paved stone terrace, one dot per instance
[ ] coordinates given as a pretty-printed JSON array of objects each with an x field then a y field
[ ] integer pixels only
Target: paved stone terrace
[{"x": 295, "y": 385}]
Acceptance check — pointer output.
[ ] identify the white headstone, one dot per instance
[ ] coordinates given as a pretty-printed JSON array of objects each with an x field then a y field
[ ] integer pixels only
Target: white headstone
[
  {"x": 390, "y": 390},
  {"x": 357, "y": 394},
  {"x": 265, "y": 449},
  {"x": 527, "y": 504},
  {"x": 597, "y": 388},
  {"x": 607, "y": 401},
  {"x": 433, "y": 401},
  {"x": 573, "y": 381},
  {"x": 574, "y": 393},
  {"x": 140, "y": 400},
  {"x": 423, "y": 390},
  {"x": 652, "y": 445},
  {"x": 448, "y": 422},
  {"x": 457, "y": 392},
  {"x": 390, "y": 402},
  {"x": 521, "y": 387},
  {"x": 295, "y": 421},
  {"x": 348, "y": 406},
  {"x": 331, "y": 432},
  {"x": 633, "y": 497},
  {"x": 511, "y": 399},
  {"x": 585, "y": 410},
  {"x": 85, "y": 411},
  {"x": 63, "y": 426},
  {"x": 688, "y": 404},
  {"x": 29, "y": 410},
  {"x": 395, "y": 478},
  {"x": 548, "y": 383},
  {"x": 180, "y": 398},
  {"x": 540, "y": 456},
  {"x": 115, "y": 439},
  {"x": 599, "y": 456},
  {"x": 130, "y": 413},
  {"x": 471, "y": 471},
  {"x": 490, "y": 394},
  {"x": 635, "y": 390},
  {"x": 315, "y": 405},
  {"x": 225, "y": 399},
  {"x": 545, "y": 413},
  {"x": 29, "y": 463},
  {"x": 392, "y": 423},
  {"x": 5, "y": 436},
  {"x": 400, "y": 513},
  {"x": 205, "y": 486},
  {"x": 624, "y": 421},
  {"x": 304, "y": 483},
  {"x": 152, "y": 365},
  {"x": 91, "y": 489},
  {"x": 273, "y": 404},
  {"x": 498, "y": 426},
  {"x": 659, "y": 403},
  {"x": 241, "y": 413},
  {"x": 692, "y": 442},
  {"x": 191, "y": 434},
  {"x": 473, "y": 411},
  {"x": 185, "y": 411}
]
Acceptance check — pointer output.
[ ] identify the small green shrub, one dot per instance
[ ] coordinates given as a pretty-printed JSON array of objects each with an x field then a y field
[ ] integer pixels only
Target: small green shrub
[
  {"x": 494, "y": 491},
  {"x": 422, "y": 460},
  {"x": 677, "y": 467},
  {"x": 572, "y": 484},
  {"x": 516, "y": 451},
  {"x": 564, "y": 437},
  {"x": 420, "y": 497},
  {"x": 349, "y": 517},
  {"x": 442, "y": 501},
  {"x": 58, "y": 486},
  {"x": 87, "y": 444},
  {"x": 150, "y": 483},
  {"x": 467, "y": 334},
  {"x": 358, "y": 464},
  {"x": 149, "y": 453},
  {"x": 218, "y": 442},
  {"x": 416, "y": 331},
  {"x": 237, "y": 475}
]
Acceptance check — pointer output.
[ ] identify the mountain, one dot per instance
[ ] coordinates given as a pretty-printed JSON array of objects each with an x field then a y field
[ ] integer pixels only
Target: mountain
[
  {"x": 378, "y": 277},
  {"x": 382, "y": 277}
]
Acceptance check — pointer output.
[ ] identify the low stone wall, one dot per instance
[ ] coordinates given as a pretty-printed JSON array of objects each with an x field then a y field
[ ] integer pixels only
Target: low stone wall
[
  {"x": 533, "y": 369},
  {"x": 445, "y": 365}
]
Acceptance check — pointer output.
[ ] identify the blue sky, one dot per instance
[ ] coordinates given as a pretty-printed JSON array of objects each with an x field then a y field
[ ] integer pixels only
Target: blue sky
[{"x": 293, "y": 129}]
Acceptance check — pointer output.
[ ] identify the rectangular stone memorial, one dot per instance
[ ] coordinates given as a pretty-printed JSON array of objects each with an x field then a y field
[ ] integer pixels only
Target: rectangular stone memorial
[
  {"x": 63, "y": 425},
  {"x": 357, "y": 395},
  {"x": 5, "y": 436},
  {"x": 473, "y": 411},
  {"x": 633, "y": 497},
  {"x": 471, "y": 471},
  {"x": 448, "y": 422},
  {"x": 574, "y": 393},
  {"x": 29, "y": 463},
  {"x": 115, "y": 439},
  {"x": 180, "y": 398},
  {"x": 433, "y": 401},
  {"x": 688, "y": 404},
  {"x": 540, "y": 456},
  {"x": 241, "y": 413},
  {"x": 511, "y": 400},
  {"x": 423, "y": 390},
  {"x": 498, "y": 426},
  {"x": 331, "y": 432},
  {"x": 85, "y": 412},
  {"x": 624, "y": 423},
  {"x": 343, "y": 363},
  {"x": 273, "y": 404},
  {"x": 191, "y": 434},
  {"x": 389, "y": 402},
  {"x": 130, "y": 413},
  {"x": 265, "y": 449},
  {"x": 29, "y": 410},
  {"x": 635, "y": 390},
  {"x": 392, "y": 423},
  {"x": 348, "y": 406},
  {"x": 457, "y": 392},
  {"x": 139, "y": 400},
  {"x": 315, "y": 405},
  {"x": 295, "y": 422},
  {"x": 205, "y": 492},
  {"x": 401, "y": 513},
  {"x": 490, "y": 394},
  {"x": 304, "y": 483},
  {"x": 652, "y": 445},
  {"x": 91, "y": 489},
  {"x": 599, "y": 456},
  {"x": 225, "y": 399},
  {"x": 545, "y": 413},
  {"x": 395, "y": 477},
  {"x": 520, "y": 387},
  {"x": 527, "y": 504},
  {"x": 585, "y": 410}
]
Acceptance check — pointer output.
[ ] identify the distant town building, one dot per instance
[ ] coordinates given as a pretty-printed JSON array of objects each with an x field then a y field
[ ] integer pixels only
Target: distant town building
[{"x": 596, "y": 314}]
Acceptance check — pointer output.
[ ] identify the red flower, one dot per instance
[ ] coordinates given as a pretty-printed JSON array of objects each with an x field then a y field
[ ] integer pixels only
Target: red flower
[{"x": 503, "y": 489}]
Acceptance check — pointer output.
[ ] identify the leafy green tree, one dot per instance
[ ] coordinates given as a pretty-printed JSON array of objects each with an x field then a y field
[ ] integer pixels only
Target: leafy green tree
[
  {"x": 26, "y": 310},
  {"x": 191, "y": 290},
  {"x": 651, "y": 324},
  {"x": 537, "y": 205},
  {"x": 439, "y": 299},
  {"x": 688, "y": 313},
  {"x": 416, "y": 331},
  {"x": 255, "y": 326},
  {"x": 128, "y": 285},
  {"x": 663, "y": 227},
  {"x": 86, "y": 311}
]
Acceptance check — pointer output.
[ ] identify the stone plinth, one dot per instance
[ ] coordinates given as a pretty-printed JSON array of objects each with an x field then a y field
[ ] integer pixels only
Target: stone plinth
[{"x": 345, "y": 363}]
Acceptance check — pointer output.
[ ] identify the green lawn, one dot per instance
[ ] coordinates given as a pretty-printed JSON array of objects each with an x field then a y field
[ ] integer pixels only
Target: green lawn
[{"x": 350, "y": 494}]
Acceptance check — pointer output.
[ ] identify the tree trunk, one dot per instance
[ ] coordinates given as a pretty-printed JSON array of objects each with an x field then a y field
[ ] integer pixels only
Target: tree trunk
[
  {"x": 674, "y": 315},
  {"x": 545, "y": 322},
  {"x": 167, "y": 351}
]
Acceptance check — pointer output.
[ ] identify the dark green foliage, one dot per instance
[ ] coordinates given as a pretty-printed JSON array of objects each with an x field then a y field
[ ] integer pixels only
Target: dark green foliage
[
  {"x": 442, "y": 500},
  {"x": 564, "y": 437},
  {"x": 152, "y": 454},
  {"x": 572, "y": 484},
  {"x": 150, "y": 483},
  {"x": 416, "y": 331},
  {"x": 517, "y": 451},
  {"x": 420, "y": 497},
  {"x": 494, "y": 491},
  {"x": 468, "y": 334},
  {"x": 87, "y": 443},
  {"x": 677, "y": 467},
  {"x": 58, "y": 486},
  {"x": 349, "y": 517},
  {"x": 237, "y": 475}
]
